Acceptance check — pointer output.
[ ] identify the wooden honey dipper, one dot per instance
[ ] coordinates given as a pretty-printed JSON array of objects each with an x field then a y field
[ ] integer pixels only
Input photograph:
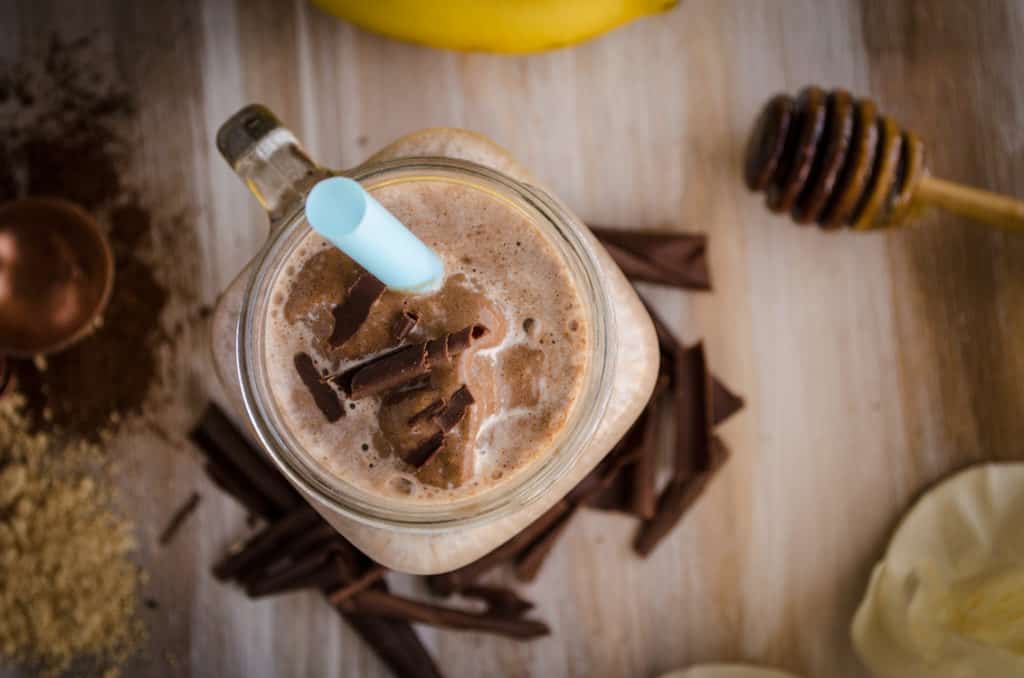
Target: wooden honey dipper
[{"x": 832, "y": 159}]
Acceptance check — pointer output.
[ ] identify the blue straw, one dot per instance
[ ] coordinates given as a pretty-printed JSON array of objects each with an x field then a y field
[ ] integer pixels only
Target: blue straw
[{"x": 346, "y": 215}]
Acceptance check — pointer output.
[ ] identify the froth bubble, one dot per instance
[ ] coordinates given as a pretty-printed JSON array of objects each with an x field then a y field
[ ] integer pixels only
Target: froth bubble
[{"x": 401, "y": 485}]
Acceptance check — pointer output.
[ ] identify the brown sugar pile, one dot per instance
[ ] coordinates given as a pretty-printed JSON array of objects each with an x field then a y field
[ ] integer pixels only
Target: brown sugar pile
[
  {"x": 63, "y": 133},
  {"x": 68, "y": 590}
]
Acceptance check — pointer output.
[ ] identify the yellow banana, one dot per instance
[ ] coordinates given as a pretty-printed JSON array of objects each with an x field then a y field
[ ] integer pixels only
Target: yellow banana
[{"x": 492, "y": 25}]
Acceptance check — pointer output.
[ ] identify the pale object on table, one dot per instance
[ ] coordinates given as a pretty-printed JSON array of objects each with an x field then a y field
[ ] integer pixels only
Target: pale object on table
[
  {"x": 728, "y": 671},
  {"x": 947, "y": 601}
]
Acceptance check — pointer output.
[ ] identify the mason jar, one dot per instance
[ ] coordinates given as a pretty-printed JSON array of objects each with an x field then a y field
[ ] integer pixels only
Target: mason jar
[{"x": 402, "y": 533}]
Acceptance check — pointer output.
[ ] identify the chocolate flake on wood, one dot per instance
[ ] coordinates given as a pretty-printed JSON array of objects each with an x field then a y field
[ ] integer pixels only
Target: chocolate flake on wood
[
  {"x": 315, "y": 570},
  {"x": 239, "y": 465},
  {"x": 644, "y": 494},
  {"x": 325, "y": 397},
  {"x": 500, "y": 601},
  {"x": 225, "y": 446},
  {"x": 724, "y": 403},
  {"x": 457, "y": 580},
  {"x": 266, "y": 545},
  {"x": 178, "y": 519},
  {"x": 372, "y": 576},
  {"x": 350, "y": 315},
  {"x": 692, "y": 392},
  {"x": 388, "y": 605},
  {"x": 660, "y": 257},
  {"x": 678, "y": 496},
  {"x": 533, "y": 557}
]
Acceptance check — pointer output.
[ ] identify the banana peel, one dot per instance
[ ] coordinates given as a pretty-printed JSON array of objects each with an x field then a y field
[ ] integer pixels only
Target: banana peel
[{"x": 507, "y": 26}]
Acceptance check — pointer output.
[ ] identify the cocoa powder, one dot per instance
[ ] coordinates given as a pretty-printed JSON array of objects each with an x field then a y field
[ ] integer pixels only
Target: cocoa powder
[{"x": 63, "y": 123}]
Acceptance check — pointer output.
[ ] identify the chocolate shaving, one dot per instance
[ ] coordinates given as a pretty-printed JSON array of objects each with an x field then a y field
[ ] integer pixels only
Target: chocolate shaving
[
  {"x": 387, "y": 372},
  {"x": 462, "y": 340},
  {"x": 372, "y": 576},
  {"x": 692, "y": 392},
  {"x": 408, "y": 363},
  {"x": 316, "y": 570},
  {"x": 178, "y": 519},
  {"x": 724, "y": 403},
  {"x": 425, "y": 452},
  {"x": 408, "y": 390},
  {"x": 500, "y": 601},
  {"x": 644, "y": 494},
  {"x": 391, "y": 606},
  {"x": 397, "y": 644},
  {"x": 446, "y": 415},
  {"x": 455, "y": 410},
  {"x": 437, "y": 352},
  {"x": 678, "y": 496},
  {"x": 663, "y": 257},
  {"x": 427, "y": 413},
  {"x": 394, "y": 641},
  {"x": 225, "y": 445},
  {"x": 350, "y": 315},
  {"x": 266, "y": 545},
  {"x": 318, "y": 538},
  {"x": 242, "y": 490},
  {"x": 532, "y": 558},
  {"x": 404, "y": 324},
  {"x": 457, "y": 580},
  {"x": 325, "y": 397}
]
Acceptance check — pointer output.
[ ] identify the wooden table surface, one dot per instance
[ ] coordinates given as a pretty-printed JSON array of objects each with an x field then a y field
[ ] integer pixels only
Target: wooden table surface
[{"x": 872, "y": 364}]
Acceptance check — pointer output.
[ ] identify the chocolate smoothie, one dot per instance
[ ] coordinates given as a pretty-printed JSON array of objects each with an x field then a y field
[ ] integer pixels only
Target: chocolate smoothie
[{"x": 505, "y": 340}]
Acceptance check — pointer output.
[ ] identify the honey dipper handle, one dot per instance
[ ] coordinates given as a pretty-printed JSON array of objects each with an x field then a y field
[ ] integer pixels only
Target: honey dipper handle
[{"x": 990, "y": 208}]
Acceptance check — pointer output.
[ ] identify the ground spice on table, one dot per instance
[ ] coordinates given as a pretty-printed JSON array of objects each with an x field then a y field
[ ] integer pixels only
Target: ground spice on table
[{"x": 68, "y": 589}]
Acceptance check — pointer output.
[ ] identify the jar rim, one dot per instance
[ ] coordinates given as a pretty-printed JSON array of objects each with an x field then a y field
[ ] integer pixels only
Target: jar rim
[{"x": 527, "y": 485}]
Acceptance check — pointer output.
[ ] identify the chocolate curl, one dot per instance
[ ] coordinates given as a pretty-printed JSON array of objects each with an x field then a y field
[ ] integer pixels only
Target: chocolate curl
[
  {"x": 404, "y": 324},
  {"x": 225, "y": 446},
  {"x": 407, "y": 364},
  {"x": 663, "y": 257},
  {"x": 673, "y": 502},
  {"x": 457, "y": 580},
  {"x": 178, "y": 519},
  {"x": 325, "y": 397},
  {"x": 500, "y": 601},
  {"x": 350, "y": 315},
  {"x": 425, "y": 452},
  {"x": 446, "y": 415},
  {"x": 382, "y": 604},
  {"x": 427, "y": 413},
  {"x": 455, "y": 410}
]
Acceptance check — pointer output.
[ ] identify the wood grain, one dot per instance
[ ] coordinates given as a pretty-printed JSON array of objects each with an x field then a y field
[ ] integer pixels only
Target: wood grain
[{"x": 872, "y": 364}]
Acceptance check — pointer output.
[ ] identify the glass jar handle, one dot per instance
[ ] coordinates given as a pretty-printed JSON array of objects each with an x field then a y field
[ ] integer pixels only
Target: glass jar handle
[{"x": 270, "y": 160}]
